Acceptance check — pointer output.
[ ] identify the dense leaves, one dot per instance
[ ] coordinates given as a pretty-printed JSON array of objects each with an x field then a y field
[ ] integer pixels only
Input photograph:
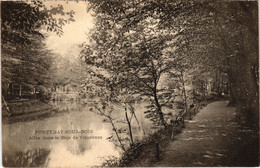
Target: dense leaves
[
  {"x": 213, "y": 43},
  {"x": 26, "y": 61},
  {"x": 21, "y": 19}
]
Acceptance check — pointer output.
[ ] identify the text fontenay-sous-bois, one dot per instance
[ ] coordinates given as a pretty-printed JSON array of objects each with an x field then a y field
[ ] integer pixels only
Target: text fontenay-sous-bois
[{"x": 63, "y": 132}]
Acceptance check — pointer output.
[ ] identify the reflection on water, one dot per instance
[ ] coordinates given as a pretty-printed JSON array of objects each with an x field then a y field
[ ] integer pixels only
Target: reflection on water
[
  {"x": 31, "y": 158},
  {"x": 80, "y": 153},
  {"x": 67, "y": 105},
  {"x": 18, "y": 150}
]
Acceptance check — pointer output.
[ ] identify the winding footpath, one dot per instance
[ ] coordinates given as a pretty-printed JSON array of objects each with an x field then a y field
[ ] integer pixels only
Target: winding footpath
[{"x": 212, "y": 138}]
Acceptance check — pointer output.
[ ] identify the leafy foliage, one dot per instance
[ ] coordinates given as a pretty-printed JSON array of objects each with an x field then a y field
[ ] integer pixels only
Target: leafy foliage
[
  {"x": 21, "y": 19},
  {"x": 135, "y": 38},
  {"x": 25, "y": 58},
  {"x": 31, "y": 60}
]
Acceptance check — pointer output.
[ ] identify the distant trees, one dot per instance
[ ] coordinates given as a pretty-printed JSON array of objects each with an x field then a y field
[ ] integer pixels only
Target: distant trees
[
  {"x": 66, "y": 70},
  {"x": 25, "y": 59},
  {"x": 26, "y": 65}
]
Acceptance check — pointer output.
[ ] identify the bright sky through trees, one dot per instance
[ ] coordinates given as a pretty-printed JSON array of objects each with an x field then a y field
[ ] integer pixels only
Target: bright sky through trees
[{"x": 75, "y": 33}]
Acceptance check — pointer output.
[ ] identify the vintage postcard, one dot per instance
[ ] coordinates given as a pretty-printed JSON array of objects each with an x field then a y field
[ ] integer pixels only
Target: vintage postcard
[{"x": 129, "y": 83}]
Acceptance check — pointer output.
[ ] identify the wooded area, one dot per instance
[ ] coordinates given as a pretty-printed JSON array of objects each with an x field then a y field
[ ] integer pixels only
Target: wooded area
[
  {"x": 171, "y": 56},
  {"x": 28, "y": 66},
  {"x": 140, "y": 45}
]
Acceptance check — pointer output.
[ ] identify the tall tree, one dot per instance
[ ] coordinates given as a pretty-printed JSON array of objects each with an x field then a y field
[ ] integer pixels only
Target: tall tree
[
  {"x": 25, "y": 58},
  {"x": 214, "y": 36},
  {"x": 135, "y": 60}
]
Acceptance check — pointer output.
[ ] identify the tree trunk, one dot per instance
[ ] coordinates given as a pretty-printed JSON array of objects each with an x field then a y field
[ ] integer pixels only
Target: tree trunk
[
  {"x": 244, "y": 90},
  {"x": 5, "y": 89},
  {"x": 159, "y": 109},
  {"x": 232, "y": 100},
  {"x": 20, "y": 91},
  {"x": 12, "y": 88},
  {"x": 34, "y": 92},
  {"x": 129, "y": 127},
  {"x": 184, "y": 94},
  {"x": 132, "y": 110},
  {"x": 118, "y": 138},
  {"x": 6, "y": 106}
]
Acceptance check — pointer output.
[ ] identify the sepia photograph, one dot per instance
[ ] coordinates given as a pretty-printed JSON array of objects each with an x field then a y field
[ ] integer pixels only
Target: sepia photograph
[{"x": 130, "y": 83}]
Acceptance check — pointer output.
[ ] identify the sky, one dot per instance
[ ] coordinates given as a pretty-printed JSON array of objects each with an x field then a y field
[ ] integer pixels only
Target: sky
[{"x": 75, "y": 33}]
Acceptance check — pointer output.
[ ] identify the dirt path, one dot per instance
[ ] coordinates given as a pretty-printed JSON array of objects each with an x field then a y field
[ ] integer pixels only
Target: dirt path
[{"x": 212, "y": 138}]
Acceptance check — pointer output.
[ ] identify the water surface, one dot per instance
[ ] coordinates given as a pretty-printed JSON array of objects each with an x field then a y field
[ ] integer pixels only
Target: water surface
[{"x": 22, "y": 146}]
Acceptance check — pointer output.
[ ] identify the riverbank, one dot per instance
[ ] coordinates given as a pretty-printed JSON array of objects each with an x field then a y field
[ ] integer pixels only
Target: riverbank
[
  {"x": 149, "y": 150},
  {"x": 27, "y": 111},
  {"x": 144, "y": 152}
]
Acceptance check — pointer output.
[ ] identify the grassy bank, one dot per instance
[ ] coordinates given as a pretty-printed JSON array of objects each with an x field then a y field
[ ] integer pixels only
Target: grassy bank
[
  {"x": 26, "y": 111},
  {"x": 144, "y": 152},
  {"x": 16, "y": 108}
]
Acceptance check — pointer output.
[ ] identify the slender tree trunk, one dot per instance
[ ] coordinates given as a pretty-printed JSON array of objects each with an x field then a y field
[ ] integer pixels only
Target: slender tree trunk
[
  {"x": 206, "y": 87},
  {"x": 5, "y": 89},
  {"x": 133, "y": 114},
  {"x": 118, "y": 138},
  {"x": 253, "y": 98},
  {"x": 203, "y": 92},
  {"x": 20, "y": 91},
  {"x": 184, "y": 94},
  {"x": 34, "y": 91},
  {"x": 142, "y": 126},
  {"x": 159, "y": 109},
  {"x": 129, "y": 127},
  {"x": 6, "y": 106},
  {"x": 232, "y": 98},
  {"x": 12, "y": 89}
]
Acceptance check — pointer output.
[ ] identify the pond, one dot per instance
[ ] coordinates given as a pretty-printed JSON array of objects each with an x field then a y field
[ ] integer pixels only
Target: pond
[{"x": 76, "y": 138}]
